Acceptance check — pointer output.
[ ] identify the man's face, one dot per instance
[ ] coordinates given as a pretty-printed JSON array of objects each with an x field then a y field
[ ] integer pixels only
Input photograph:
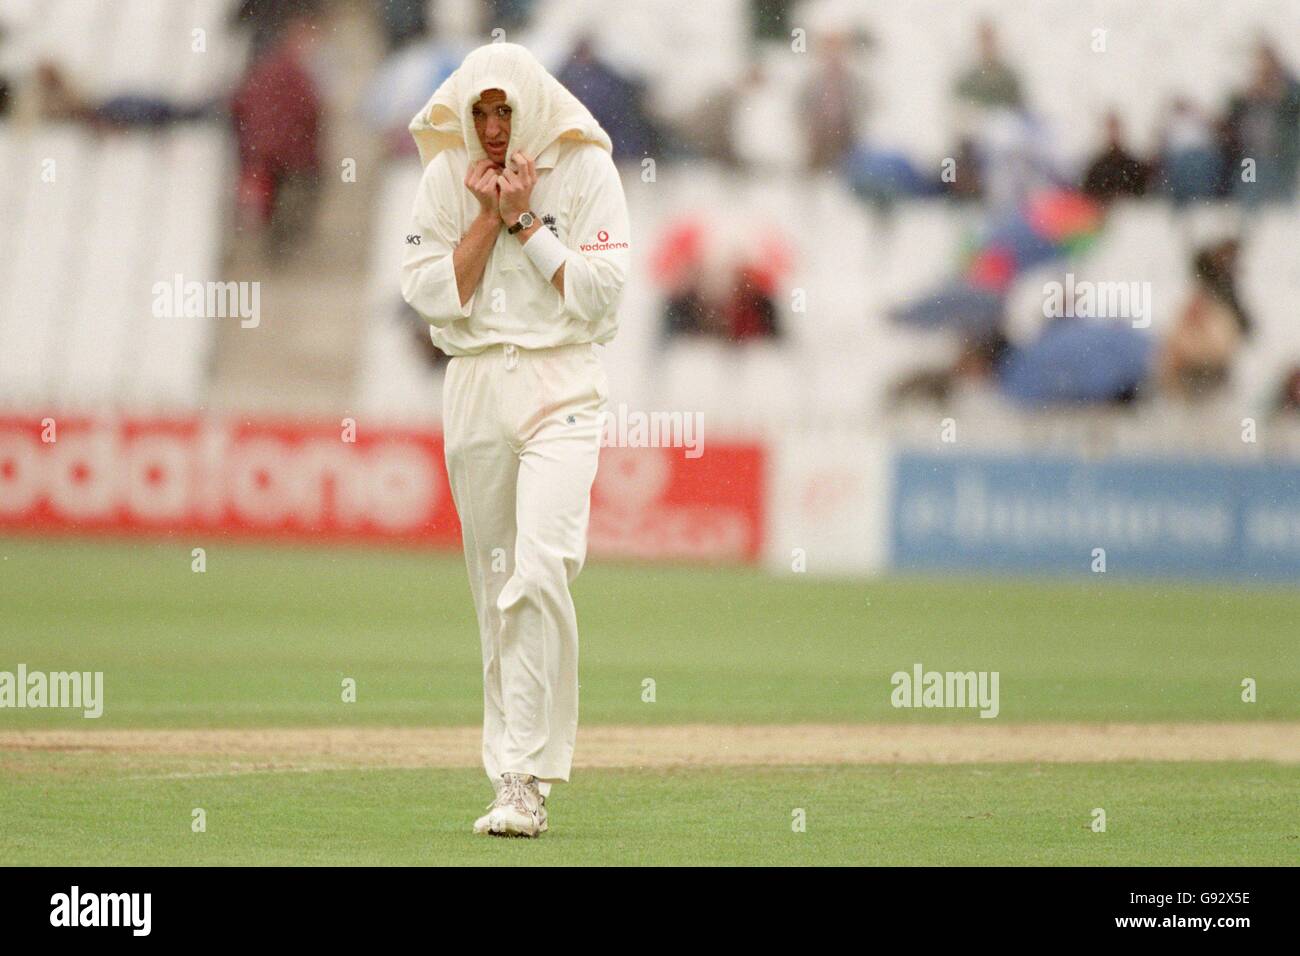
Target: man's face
[{"x": 492, "y": 123}]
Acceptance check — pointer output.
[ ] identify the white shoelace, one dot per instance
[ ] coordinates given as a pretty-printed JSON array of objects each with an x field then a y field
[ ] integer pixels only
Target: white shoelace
[{"x": 514, "y": 793}]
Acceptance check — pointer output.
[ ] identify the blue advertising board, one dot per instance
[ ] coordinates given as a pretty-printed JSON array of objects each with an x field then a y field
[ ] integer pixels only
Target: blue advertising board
[{"x": 1151, "y": 517}]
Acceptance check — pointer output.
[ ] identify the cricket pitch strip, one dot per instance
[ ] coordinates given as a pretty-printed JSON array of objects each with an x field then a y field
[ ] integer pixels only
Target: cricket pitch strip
[{"x": 202, "y": 752}]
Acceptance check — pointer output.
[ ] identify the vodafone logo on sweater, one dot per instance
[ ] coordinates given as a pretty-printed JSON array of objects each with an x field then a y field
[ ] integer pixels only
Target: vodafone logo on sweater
[{"x": 601, "y": 244}]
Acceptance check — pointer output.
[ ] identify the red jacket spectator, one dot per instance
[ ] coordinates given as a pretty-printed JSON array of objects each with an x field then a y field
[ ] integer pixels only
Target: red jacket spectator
[{"x": 277, "y": 112}]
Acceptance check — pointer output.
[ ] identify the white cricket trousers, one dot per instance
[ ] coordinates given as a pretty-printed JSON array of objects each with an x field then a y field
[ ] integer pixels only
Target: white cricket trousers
[{"x": 522, "y": 430}]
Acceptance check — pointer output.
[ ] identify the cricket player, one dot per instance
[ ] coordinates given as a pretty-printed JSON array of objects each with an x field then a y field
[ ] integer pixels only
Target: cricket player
[{"x": 517, "y": 258}]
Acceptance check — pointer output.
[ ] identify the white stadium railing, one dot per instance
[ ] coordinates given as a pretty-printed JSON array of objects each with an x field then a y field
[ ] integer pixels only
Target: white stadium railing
[{"x": 93, "y": 221}]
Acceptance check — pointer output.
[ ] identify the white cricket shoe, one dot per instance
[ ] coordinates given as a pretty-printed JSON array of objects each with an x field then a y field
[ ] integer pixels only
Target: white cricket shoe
[{"x": 518, "y": 810}]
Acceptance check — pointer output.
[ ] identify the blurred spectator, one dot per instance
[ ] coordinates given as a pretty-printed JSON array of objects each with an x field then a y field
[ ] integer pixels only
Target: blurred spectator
[
  {"x": 1052, "y": 225},
  {"x": 677, "y": 264},
  {"x": 59, "y": 100},
  {"x": 1190, "y": 167},
  {"x": 6, "y": 90},
  {"x": 967, "y": 182},
  {"x": 696, "y": 304},
  {"x": 265, "y": 20},
  {"x": 709, "y": 130},
  {"x": 277, "y": 115},
  {"x": 750, "y": 312},
  {"x": 990, "y": 82},
  {"x": 512, "y": 16},
  {"x": 687, "y": 311},
  {"x": 1078, "y": 361},
  {"x": 882, "y": 176},
  {"x": 1288, "y": 394},
  {"x": 403, "y": 21},
  {"x": 976, "y": 364},
  {"x": 746, "y": 312},
  {"x": 1263, "y": 125},
  {"x": 1196, "y": 356},
  {"x": 1012, "y": 148},
  {"x": 1115, "y": 171},
  {"x": 401, "y": 87},
  {"x": 769, "y": 20},
  {"x": 831, "y": 104},
  {"x": 1073, "y": 361},
  {"x": 617, "y": 102},
  {"x": 1017, "y": 156},
  {"x": 1216, "y": 270}
]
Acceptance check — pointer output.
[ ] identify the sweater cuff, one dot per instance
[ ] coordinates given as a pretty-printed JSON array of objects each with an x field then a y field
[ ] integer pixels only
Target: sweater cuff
[{"x": 546, "y": 252}]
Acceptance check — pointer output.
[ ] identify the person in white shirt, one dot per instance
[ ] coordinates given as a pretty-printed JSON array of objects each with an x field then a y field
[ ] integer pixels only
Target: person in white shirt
[{"x": 517, "y": 258}]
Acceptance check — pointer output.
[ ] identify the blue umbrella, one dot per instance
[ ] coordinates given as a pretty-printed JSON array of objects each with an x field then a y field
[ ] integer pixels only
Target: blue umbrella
[{"x": 1078, "y": 360}]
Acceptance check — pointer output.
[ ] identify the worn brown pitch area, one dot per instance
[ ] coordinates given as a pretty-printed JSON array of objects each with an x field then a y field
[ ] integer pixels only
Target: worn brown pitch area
[{"x": 683, "y": 745}]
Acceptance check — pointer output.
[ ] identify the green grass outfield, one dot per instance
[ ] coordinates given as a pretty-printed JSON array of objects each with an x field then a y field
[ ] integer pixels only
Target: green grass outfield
[
  {"x": 265, "y": 637},
  {"x": 1165, "y": 814}
]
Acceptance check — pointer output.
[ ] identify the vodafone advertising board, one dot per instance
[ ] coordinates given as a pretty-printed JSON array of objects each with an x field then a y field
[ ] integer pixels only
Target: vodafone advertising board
[{"x": 264, "y": 478}]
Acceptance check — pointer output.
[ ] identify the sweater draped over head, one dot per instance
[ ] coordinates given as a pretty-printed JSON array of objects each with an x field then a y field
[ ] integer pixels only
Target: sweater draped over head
[{"x": 542, "y": 110}]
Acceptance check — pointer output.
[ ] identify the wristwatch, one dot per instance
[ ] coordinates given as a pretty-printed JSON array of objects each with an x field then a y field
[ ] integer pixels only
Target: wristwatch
[{"x": 525, "y": 220}]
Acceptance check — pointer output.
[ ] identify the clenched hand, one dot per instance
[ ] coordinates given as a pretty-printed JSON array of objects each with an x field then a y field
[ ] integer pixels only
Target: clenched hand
[
  {"x": 516, "y": 188},
  {"x": 481, "y": 179}
]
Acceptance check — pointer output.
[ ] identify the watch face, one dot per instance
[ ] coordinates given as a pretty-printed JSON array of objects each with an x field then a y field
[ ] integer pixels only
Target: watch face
[{"x": 526, "y": 220}]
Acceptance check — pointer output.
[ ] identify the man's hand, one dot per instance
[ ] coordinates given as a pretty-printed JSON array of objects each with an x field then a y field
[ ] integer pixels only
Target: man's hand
[
  {"x": 516, "y": 189},
  {"x": 481, "y": 180},
  {"x": 470, "y": 258}
]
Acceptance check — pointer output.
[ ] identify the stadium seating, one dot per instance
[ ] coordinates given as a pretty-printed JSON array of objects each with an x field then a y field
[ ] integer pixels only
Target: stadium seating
[
  {"x": 854, "y": 264},
  {"x": 79, "y": 257},
  {"x": 394, "y": 378},
  {"x": 93, "y": 221},
  {"x": 842, "y": 352}
]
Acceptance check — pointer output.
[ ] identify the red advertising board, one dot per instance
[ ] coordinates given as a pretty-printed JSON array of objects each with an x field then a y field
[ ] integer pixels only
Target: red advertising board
[
  {"x": 659, "y": 503},
  {"x": 264, "y": 478}
]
